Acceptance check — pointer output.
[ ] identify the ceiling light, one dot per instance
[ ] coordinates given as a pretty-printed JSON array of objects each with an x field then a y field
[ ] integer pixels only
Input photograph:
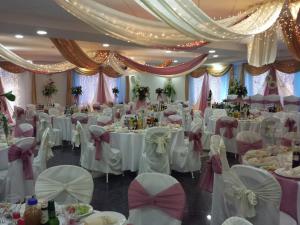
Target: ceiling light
[
  {"x": 30, "y": 61},
  {"x": 19, "y": 36},
  {"x": 128, "y": 41},
  {"x": 215, "y": 56},
  {"x": 218, "y": 67},
  {"x": 131, "y": 57},
  {"x": 175, "y": 61},
  {"x": 168, "y": 51},
  {"x": 41, "y": 32},
  {"x": 212, "y": 51},
  {"x": 105, "y": 45},
  {"x": 208, "y": 217}
]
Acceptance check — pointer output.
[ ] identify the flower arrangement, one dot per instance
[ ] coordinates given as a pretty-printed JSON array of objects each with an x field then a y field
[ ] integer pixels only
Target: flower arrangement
[
  {"x": 169, "y": 90},
  {"x": 76, "y": 91},
  {"x": 115, "y": 91},
  {"x": 159, "y": 91},
  {"x": 272, "y": 84},
  {"x": 235, "y": 88},
  {"x": 49, "y": 89},
  {"x": 140, "y": 92}
]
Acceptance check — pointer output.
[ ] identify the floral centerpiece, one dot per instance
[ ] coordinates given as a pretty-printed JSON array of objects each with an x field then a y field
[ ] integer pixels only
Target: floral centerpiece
[
  {"x": 3, "y": 119},
  {"x": 76, "y": 92},
  {"x": 169, "y": 90},
  {"x": 235, "y": 88},
  {"x": 140, "y": 92},
  {"x": 49, "y": 90},
  {"x": 159, "y": 92},
  {"x": 116, "y": 92}
]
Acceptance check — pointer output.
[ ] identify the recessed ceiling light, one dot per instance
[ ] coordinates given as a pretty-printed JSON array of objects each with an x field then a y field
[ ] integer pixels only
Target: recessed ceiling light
[
  {"x": 212, "y": 51},
  {"x": 175, "y": 61},
  {"x": 168, "y": 51},
  {"x": 19, "y": 36},
  {"x": 105, "y": 45},
  {"x": 215, "y": 56},
  {"x": 30, "y": 61},
  {"x": 208, "y": 217},
  {"x": 128, "y": 41},
  {"x": 41, "y": 32}
]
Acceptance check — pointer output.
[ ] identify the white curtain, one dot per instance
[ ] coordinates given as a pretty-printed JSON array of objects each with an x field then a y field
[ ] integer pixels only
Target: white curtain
[
  {"x": 89, "y": 86},
  {"x": 259, "y": 83},
  {"x": 285, "y": 83},
  {"x": 195, "y": 85},
  {"x": 20, "y": 85},
  {"x": 110, "y": 83}
]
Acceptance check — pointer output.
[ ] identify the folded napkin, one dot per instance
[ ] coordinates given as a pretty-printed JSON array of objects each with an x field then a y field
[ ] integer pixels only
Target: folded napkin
[{"x": 99, "y": 219}]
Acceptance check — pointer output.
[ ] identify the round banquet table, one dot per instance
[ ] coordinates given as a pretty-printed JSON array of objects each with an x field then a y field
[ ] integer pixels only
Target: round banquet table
[
  {"x": 243, "y": 125},
  {"x": 64, "y": 124},
  {"x": 132, "y": 144}
]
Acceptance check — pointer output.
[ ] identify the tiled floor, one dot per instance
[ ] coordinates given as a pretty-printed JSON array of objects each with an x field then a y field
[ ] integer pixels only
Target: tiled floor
[{"x": 113, "y": 196}]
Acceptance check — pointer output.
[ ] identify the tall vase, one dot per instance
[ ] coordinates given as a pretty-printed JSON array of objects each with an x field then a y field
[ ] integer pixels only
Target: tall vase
[
  {"x": 115, "y": 99},
  {"x": 49, "y": 100},
  {"x": 76, "y": 100},
  {"x": 160, "y": 98}
]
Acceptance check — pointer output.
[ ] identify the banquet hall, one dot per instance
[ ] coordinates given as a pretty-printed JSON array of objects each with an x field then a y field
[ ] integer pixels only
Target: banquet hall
[{"x": 150, "y": 112}]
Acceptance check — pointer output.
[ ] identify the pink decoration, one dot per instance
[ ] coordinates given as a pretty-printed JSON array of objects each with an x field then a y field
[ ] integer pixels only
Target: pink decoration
[
  {"x": 171, "y": 200},
  {"x": 204, "y": 94},
  {"x": 229, "y": 125},
  {"x": 83, "y": 120},
  {"x": 140, "y": 104},
  {"x": 196, "y": 137},
  {"x": 291, "y": 125},
  {"x": 243, "y": 146},
  {"x": 101, "y": 96},
  {"x": 96, "y": 107},
  {"x": 170, "y": 70},
  {"x": 272, "y": 77},
  {"x": 101, "y": 123},
  {"x": 213, "y": 165},
  {"x": 98, "y": 143},
  {"x": 16, "y": 153},
  {"x": 286, "y": 142},
  {"x": 21, "y": 133},
  {"x": 175, "y": 121},
  {"x": 169, "y": 113}
]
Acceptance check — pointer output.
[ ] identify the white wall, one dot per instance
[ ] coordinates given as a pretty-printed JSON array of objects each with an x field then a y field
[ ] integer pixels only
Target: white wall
[
  {"x": 60, "y": 80},
  {"x": 154, "y": 82}
]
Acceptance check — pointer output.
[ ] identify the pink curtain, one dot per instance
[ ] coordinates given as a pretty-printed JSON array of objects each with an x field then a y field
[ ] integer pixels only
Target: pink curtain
[
  {"x": 101, "y": 97},
  {"x": 271, "y": 86},
  {"x": 204, "y": 93},
  {"x": 3, "y": 106}
]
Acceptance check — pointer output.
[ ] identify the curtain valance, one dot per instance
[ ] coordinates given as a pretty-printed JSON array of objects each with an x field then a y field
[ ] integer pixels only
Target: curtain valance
[{"x": 211, "y": 71}]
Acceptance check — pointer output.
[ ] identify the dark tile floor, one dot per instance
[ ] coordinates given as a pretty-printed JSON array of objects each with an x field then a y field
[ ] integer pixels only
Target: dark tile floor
[{"x": 113, "y": 196}]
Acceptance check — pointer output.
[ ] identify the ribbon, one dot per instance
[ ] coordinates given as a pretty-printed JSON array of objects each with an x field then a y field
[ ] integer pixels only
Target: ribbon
[
  {"x": 171, "y": 200},
  {"x": 98, "y": 143},
  {"x": 160, "y": 141},
  {"x": 228, "y": 125},
  {"x": 82, "y": 120},
  {"x": 169, "y": 113},
  {"x": 244, "y": 146},
  {"x": 196, "y": 137},
  {"x": 20, "y": 133},
  {"x": 291, "y": 125},
  {"x": 104, "y": 123},
  {"x": 16, "y": 153},
  {"x": 213, "y": 165},
  {"x": 175, "y": 121}
]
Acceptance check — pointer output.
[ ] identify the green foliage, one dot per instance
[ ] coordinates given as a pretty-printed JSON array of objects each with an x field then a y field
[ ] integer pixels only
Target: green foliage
[
  {"x": 10, "y": 96},
  {"x": 76, "y": 90},
  {"x": 235, "y": 88},
  {"x": 140, "y": 92},
  {"x": 115, "y": 91},
  {"x": 49, "y": 89},
  {"x": 4, "y": 123},
  {"x": 169, "y": 90}
]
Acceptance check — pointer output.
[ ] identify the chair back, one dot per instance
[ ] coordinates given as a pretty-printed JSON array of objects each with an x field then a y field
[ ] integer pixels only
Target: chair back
[
  {"x": 227, "y": 127},
  {"x": 236, "y": 221},
  {"x": 272, "y": 100},
  {"x": 175, "y": 119},
  {"x": 65, "y": 184},
  {"x": 104, "y": 120},
  {"x": 107, "y": 112},
  {"x": 101, "y": 139},
  {"x": 248, "y": 140},
  {"x": 19, "y": 114},
  {"x": 288, "y": 138},
  {"x": 155, "y": 199},
  {"x": 291, "y": 103},
  {"x": 217, "y": 113},
  {"x": 271, "y": 129},
  {"x": 54, "y": 111},
  {"x": 81, "y": 117},
  {"x": 30, "y": 107},
  {"x": 24, "y": 130},
  {"x": 257, "y": 102}
]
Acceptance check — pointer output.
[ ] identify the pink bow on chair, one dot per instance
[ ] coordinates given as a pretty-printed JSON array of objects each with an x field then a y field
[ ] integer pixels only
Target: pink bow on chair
[
  {"x": 228, "y": 125},
  {"x": 213, "y": 165},
  {"x": 19, "y": 113},
  {"x": 286, "y": 142},
  {"x": 291, "y": 125},
  {"x": 21, "y": 133},
  {"x": 83, "y": 120},
  {"x": 169, "y": 113},
  {"x": 171, "y": 200},
  {"x": 196, "y": 137},
  {"x": 243, "y": 146},
  {"x": 101, "y": 123},
  {"x": 16, "y": 153},
  {"x": 98, "y": 143}
]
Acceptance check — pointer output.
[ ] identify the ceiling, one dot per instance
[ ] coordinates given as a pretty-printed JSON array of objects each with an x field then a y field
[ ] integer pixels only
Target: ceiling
[{"x": 25, "y": 17}]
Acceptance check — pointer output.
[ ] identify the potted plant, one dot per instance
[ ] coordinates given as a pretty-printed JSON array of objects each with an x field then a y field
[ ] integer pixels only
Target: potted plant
[
  {"x": 169, "y": 90},
  {"x": 3, "y": 119},
  {"x": 49, "y": 90},
  {"x": 76, "y": 92},
  {"x": 159, "y": 92},
  {"x": 235, "y": 88},
  {"x": 116, "y": 92}
]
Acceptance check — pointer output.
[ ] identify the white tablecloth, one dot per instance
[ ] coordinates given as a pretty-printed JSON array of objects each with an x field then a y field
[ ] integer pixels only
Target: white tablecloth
[
  {"x": 64, "y": 124},
  {"x": 132, "y": 145}
]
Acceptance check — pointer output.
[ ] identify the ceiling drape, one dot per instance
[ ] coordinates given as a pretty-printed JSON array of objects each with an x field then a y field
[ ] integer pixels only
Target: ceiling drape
[{"x": 211, "y": 71}]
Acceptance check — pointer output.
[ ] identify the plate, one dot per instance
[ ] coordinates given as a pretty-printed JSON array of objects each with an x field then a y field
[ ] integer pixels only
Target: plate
[
  {"x": 115, "y": 216},
  {"x": 285, "y": 173},
  {"x": 88, "y": 209}
]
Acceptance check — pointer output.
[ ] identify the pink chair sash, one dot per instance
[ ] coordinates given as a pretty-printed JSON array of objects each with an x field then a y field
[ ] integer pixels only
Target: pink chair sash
[
  {"x": 16, "y": 153},
  {"x": 175, "y": 121},
  {"x": 286, "y": 142},
  {"x": 21, "y": 133},
  {"x": 196, "y": 137},
  {"x": 171, "y": 200},
  {"x": 292, "y": 102},
  {"x": 169, "y": 113},
  {"x": 98, "y": 143},
  {"x": 289, "y": 196},
  {"x": 101, "y": 123},
  {"x": 213, "y": 165},
  {"x": 228, "y": 125},
  {"x": 83, "y": 120},
  {"x": 291, "y": 125},
  {"x": 19, "y": 113},
  {"x": 33, "y": 121},
  {"x": 96, "y": 107},
  {"x": 244, "y": 147}
]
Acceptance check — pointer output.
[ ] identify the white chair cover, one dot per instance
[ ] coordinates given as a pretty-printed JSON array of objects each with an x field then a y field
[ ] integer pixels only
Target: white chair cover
[
  {"x": 153, "y": 183},
  {"x": 54, "y": 112},
  {"x": 25, "y": 127},
  {"x": 30, "y": 107},
  {"x": 104, "y": 119},
  {"x": 247, "y": 137},
  {"x": 291, "y": 103},
  {"x": 236, "y": 221},
  {"x": 271, "y": 130},
  {"x": 257, "y": 102},
  {"x": 65, "y": 184},
  {"x": 155, "y": 157},
  {"x": 107, "y": 112},
  {"x": 86, "y": 147}
]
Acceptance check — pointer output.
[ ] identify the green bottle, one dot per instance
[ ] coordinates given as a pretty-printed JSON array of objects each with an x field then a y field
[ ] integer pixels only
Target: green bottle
[{"x": 53, "y": 220}]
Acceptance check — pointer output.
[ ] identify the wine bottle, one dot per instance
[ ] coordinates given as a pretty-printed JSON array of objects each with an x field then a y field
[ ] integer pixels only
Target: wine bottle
[{"x": 53, "y": 220}]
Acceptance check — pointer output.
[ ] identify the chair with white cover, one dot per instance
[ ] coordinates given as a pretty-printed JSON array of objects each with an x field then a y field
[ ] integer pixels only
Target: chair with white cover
[
  {"x": 271, "y": 100},
  {"x": 288, "y": 139},
  {"x": 257, "y": 102},
  {"x": 227, "y": 127},
  {"x": 24, "y": 130},
  {"x": 65, "y": 184},
  {"x": 19, "y": 114},
  {"x": 107, "y": 112},
  {"x": 20, "y": 176},
  {"x": 236, "y": 221},
  {"x": 271, "y": 130},
  {"x": 30, "y": 107},
  {"x": 248, "y": 140},
  {"x": 44, "y": 154},
  {"x": 83, "y": 119},
  {"x": 188, "y": 158},
  {"x": 155, "y": 155},
  {"x": 175, "y": 119},
  {"x": 103, "y": 158},
  {"x": 251, "y": 193},
  {"x": 54, "y": 111},
  {"x": 104, "y": 120},
  {"x": 291, "y": 103},
  {"x": 155, "y": 199}
]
